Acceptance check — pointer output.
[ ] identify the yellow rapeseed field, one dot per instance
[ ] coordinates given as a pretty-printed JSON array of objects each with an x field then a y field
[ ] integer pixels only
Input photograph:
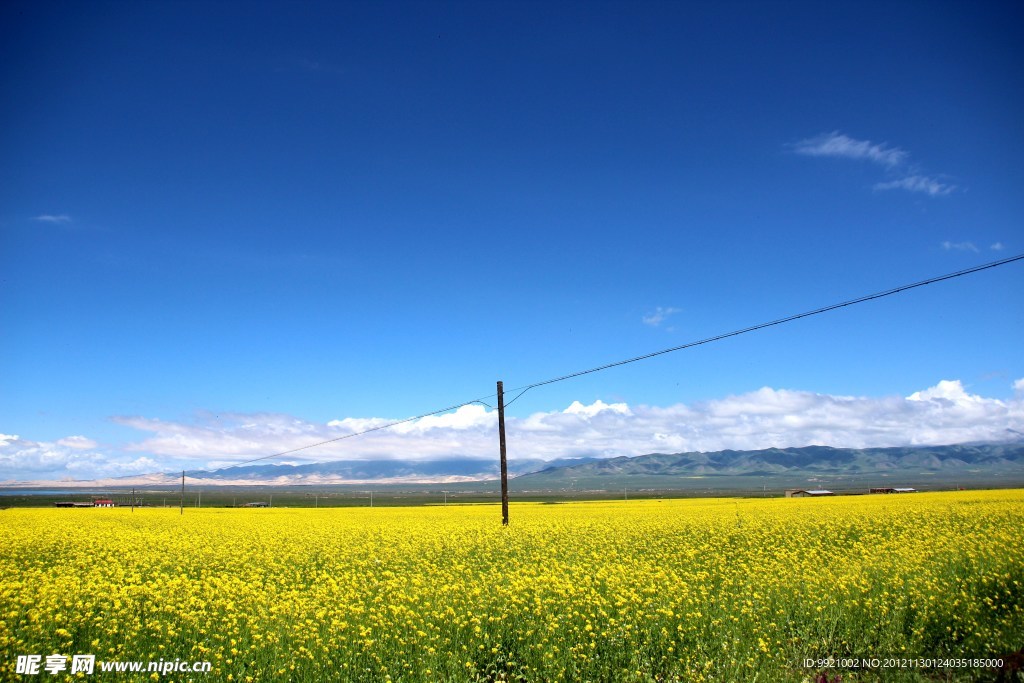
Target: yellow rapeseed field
[{"x": 692, "y": 590}]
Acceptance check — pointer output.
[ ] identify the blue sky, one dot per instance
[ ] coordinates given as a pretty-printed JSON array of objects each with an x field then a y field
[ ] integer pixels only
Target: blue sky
[{"x": 271, "y": 217}]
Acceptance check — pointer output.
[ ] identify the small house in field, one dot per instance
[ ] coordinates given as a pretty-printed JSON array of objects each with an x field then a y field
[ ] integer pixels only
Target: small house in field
[
  {"x": 807, "y": 493},
  {"x": 103, "y": 503}
]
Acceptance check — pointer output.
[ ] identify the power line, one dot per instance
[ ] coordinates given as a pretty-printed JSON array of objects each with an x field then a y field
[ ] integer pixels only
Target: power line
[
  {"x": 780, "y": 321},
  {"x": 753, "y": 328},
  {"x": 353, "y": 435},
  {"x": 519, "y": 395}
]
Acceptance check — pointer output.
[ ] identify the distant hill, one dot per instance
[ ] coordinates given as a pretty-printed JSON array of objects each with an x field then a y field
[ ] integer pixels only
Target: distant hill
[
  {"x": 670, "y": 470},
  {"x": 982, "y": 464},
  {"x": 949, "y": 463},
  {"x": 383, "y": 470}
]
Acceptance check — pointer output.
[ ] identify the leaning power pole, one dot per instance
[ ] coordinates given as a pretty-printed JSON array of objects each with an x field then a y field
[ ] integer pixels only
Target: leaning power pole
[{"x": 504, "y": 463}]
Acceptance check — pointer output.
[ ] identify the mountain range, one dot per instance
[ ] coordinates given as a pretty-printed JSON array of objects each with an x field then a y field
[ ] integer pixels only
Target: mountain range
[
  {"x": 394, "y": 470},
  {"x": 979, "y": 464},
  {"x": 810, "y": 462}
]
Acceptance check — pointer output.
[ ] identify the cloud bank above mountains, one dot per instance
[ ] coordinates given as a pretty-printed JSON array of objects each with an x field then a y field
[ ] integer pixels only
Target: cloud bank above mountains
[{"x": 943, "y": 414}]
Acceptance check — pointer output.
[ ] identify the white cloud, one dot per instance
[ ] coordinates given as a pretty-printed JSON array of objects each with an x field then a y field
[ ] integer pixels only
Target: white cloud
[
  {"x": 77, "y": 442},
  {"x": 596, "y": 407},
  {"x": 945, "y": 413},
  {"x": 72, "y": 457},
  {"x": 835, "y": 144},
  {"x": 467, "y": 417},
  {"x": 355, "y": 424},
  {"x": 917, "y": 183},
  {"x": 895, "y": 160},
  {"x": 998, "y": 246},
  {"x": 223, "y": 435},
  {"x": 959, "y": 246},
  {"x": 56, "y": 219},
  {"x": 659, "y": 315},
  {"x": 98, "y": 466},
  {"x": 947, "y": 390}
]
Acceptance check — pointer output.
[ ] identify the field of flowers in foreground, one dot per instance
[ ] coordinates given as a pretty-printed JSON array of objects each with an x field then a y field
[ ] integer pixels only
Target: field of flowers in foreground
[{"x": 725, "y": 590}]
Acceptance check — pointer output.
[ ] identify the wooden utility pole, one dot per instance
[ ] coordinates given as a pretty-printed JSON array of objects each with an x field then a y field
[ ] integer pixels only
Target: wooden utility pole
[
  {"x": 133, "y": 500},
  {"x": 181, "y": 505},
  {"x": 504, "y": 462}
]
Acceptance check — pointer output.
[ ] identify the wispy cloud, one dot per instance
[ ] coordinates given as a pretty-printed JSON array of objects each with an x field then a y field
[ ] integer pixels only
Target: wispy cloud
[
  {"x": 835, "y": 144},
  {"x": 659, "y": 315},
  {"x": 54, "y": 219},
  {"x": 903, "y": 174},
  {"x": 917, "y": 183},
  {"x": 969, "y": 246},
  {"x": 77, "y": 442},
  {"x": 960, "y": 246}
]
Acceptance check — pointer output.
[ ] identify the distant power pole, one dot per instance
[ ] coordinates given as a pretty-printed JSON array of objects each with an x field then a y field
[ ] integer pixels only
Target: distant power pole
[
  {"x": 133, "y": 500},
  {"x": 504, "y": 461},
  {"x": 181, "y": 507}
]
